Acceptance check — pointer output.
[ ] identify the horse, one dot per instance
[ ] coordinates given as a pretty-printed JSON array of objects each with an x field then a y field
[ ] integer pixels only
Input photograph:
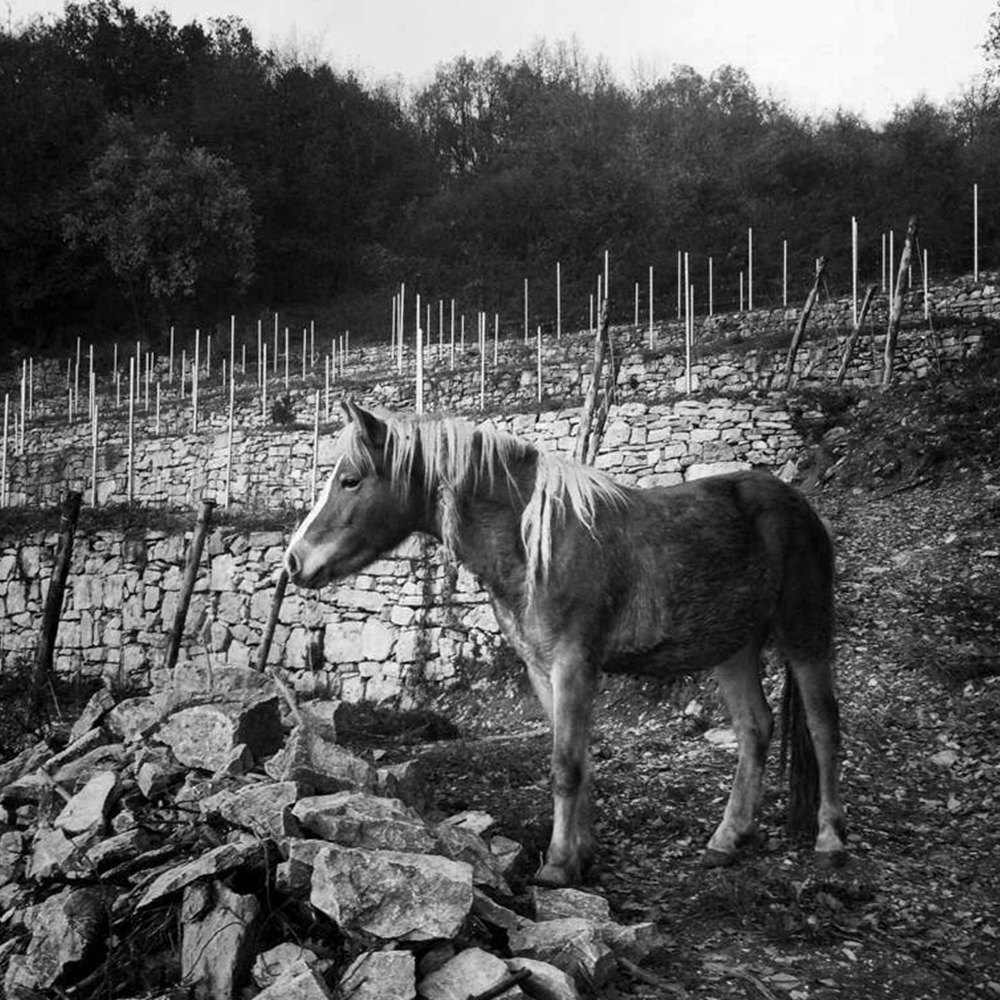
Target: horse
[{"x": 585, "y": 574}]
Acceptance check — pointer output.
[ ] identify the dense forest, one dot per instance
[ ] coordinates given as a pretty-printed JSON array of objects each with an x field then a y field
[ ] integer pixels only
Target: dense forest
[{"x": 154, "y": 173}]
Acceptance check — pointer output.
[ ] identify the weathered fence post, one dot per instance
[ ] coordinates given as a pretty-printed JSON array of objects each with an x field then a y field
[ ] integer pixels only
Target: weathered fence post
[
  {"x": 54, "y": 598},
  {"x": 793, "y": 348},
  {"x": 855, "y": 333},
  {"x": 897, "y": 303},
  {"x": 187, "y": 585},
  {"x": 590, "y": 403},
  {"x": 272, "y": 620}
]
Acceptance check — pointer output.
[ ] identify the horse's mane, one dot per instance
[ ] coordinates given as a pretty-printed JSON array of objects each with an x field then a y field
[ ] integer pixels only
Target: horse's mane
[{"x": 457, "y": 456}]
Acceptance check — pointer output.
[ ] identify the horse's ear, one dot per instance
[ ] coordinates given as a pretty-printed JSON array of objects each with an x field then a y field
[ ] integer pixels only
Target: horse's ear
[{"x": 372, "y": 429}]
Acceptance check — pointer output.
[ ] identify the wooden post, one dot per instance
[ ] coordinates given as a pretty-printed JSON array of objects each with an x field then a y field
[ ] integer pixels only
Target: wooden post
[
  {"x": 539, "y": 336},
  {"x": 558, "y": 301},
  {"x": 800, "y": 329},
  {"x": 130, "y": 482},
  {"x": 855, "y": 333},
  {"x": 854, "y": 269},
  {"x": 650, "y": 305},
  {"x": 3, "y": 456},
  {"x": 582, "y": 449},
  {"x": 93, "y": 457},
  {"x": 272, "y": 620},
  {"x": 187, "y": 584},
  {"x": 975, "y": 232},
  {"x": 525, "y": 310},
  {"x": 42, "y": 674},
  {"x": 315, "y": 455},
  {"x": 418, "y": 343},
  {"x": 897, "y": 302}
]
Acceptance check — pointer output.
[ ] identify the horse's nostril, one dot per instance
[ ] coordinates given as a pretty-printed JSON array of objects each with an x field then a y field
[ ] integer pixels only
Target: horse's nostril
[{"x": 292, "y": 564}]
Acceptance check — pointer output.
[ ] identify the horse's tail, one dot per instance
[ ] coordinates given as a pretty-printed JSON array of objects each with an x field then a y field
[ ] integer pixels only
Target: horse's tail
[{"x": 798, "y": 754}]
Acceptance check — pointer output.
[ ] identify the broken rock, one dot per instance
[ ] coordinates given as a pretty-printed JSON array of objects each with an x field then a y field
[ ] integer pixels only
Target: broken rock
[
  {"x": 205, "y": 736},
  {"x": 297, "y": 984},
  {"x": 552, "y": 904},
  {"x": 380, "y": 975},
  {"x": 311, "y": 759},
  {"x": 547, "y": 982},
  {"x": 217, "y": 861},
  {"x": 469, "y": 973},
  {"x": 216, "y": 940},
  {"x": 392, "y": 894},
  {"x": 88, "y": 809},
  {"x": 261, "y": 808},
  {"x": 573, "y": 944},
  {"x": 285, "y": 958},
  {"x": 63, "y": 930},
  {"x": 357, "y": 819}
]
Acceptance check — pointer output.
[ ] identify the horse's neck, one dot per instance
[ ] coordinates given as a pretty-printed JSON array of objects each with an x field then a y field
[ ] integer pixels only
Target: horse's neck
[{"x": 482, "y": 526}]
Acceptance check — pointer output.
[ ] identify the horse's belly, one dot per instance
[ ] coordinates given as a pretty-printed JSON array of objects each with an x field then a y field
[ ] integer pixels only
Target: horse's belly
[{"x": 670, "y": 658}]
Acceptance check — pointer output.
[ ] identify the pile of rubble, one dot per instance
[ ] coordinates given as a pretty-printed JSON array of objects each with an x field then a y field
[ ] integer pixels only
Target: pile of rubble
[{"x": 203, "y": 841}]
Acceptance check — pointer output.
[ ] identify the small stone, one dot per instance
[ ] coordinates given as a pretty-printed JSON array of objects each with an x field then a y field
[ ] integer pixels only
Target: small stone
[
  {"x": 88, "y": 809},
  {"x": 470, "y": 972},
  {"x": 380, "y": 975}
]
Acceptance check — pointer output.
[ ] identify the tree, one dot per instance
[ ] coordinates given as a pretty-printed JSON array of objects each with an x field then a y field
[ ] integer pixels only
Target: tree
[{"x": 171, "y": 225}]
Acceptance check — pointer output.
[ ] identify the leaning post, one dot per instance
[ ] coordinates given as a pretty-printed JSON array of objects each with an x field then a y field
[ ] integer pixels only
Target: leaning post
[
  {"x": 190, "y": 576},
  {"x": 896, "y": 312},
  {"x": 54, "y": 598}
]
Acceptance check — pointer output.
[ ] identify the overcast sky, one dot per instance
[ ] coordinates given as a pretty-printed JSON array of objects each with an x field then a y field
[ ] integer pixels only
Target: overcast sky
[{"x": 865, "y": 56}]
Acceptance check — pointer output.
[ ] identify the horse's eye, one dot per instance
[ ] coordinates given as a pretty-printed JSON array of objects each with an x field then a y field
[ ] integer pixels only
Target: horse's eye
[{"x": 350, "y": 482}]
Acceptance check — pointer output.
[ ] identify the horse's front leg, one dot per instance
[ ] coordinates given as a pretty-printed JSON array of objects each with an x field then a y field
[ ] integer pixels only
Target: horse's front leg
[{"x": 567, "y": 691}]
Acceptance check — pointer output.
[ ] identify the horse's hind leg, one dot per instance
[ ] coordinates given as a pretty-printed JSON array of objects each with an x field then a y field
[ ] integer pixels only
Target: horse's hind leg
[
  {"x": 739, "y": 682},
  {"x": 814, "y": 678}
]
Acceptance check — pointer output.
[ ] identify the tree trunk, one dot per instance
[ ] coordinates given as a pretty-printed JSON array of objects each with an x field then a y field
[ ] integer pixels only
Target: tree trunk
[
  {"x": 54, "y": 598},
  {"x": 583, "y": 436},
  {"x": 897, "y": 303},
  {"x": 855, "y": 333},
  {"x": 187, "y": 585},
  {"x": 793, "y": 348}
]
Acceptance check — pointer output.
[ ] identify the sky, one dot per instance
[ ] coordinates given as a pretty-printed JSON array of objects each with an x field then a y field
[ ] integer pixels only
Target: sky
[{"x": 863, "y": 56}]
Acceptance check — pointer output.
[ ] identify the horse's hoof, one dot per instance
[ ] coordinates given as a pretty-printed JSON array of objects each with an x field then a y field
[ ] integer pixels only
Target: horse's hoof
[
  {"x": 717, "y": 859},
  {"x": 553, "y": 877},
  {"x": 827, "y": 860}
]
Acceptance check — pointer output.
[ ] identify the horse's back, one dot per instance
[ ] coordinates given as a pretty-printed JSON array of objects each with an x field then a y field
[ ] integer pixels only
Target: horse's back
[{"x": 697, "y": 570}]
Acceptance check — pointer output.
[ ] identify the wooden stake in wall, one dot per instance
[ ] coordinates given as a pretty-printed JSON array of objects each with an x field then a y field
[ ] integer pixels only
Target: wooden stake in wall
[
  {"x": 854, "y": 269},
  {"x": 315, "y": 451},
  {"x": 187, "y": 584},
  {"x": 93, "y": 458},
  {"x": 3, "y": 455},
  {"x": 558, "y": 301},
  {"x": 807, "y": 309},
  {"x": 897, "y": 302},
  {"x": 539, "y": 365},
  {"x": 130, "y": 480},
  {"x": 42, "y": 674},
  {"x": 418, "y": 344},
  {"x": 975, "y": 232},
  {"x": 650, "y": 305}
]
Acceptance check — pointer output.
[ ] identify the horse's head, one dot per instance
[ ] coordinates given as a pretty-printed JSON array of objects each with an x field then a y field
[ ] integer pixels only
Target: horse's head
[{"x": 360, "y": 513}]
